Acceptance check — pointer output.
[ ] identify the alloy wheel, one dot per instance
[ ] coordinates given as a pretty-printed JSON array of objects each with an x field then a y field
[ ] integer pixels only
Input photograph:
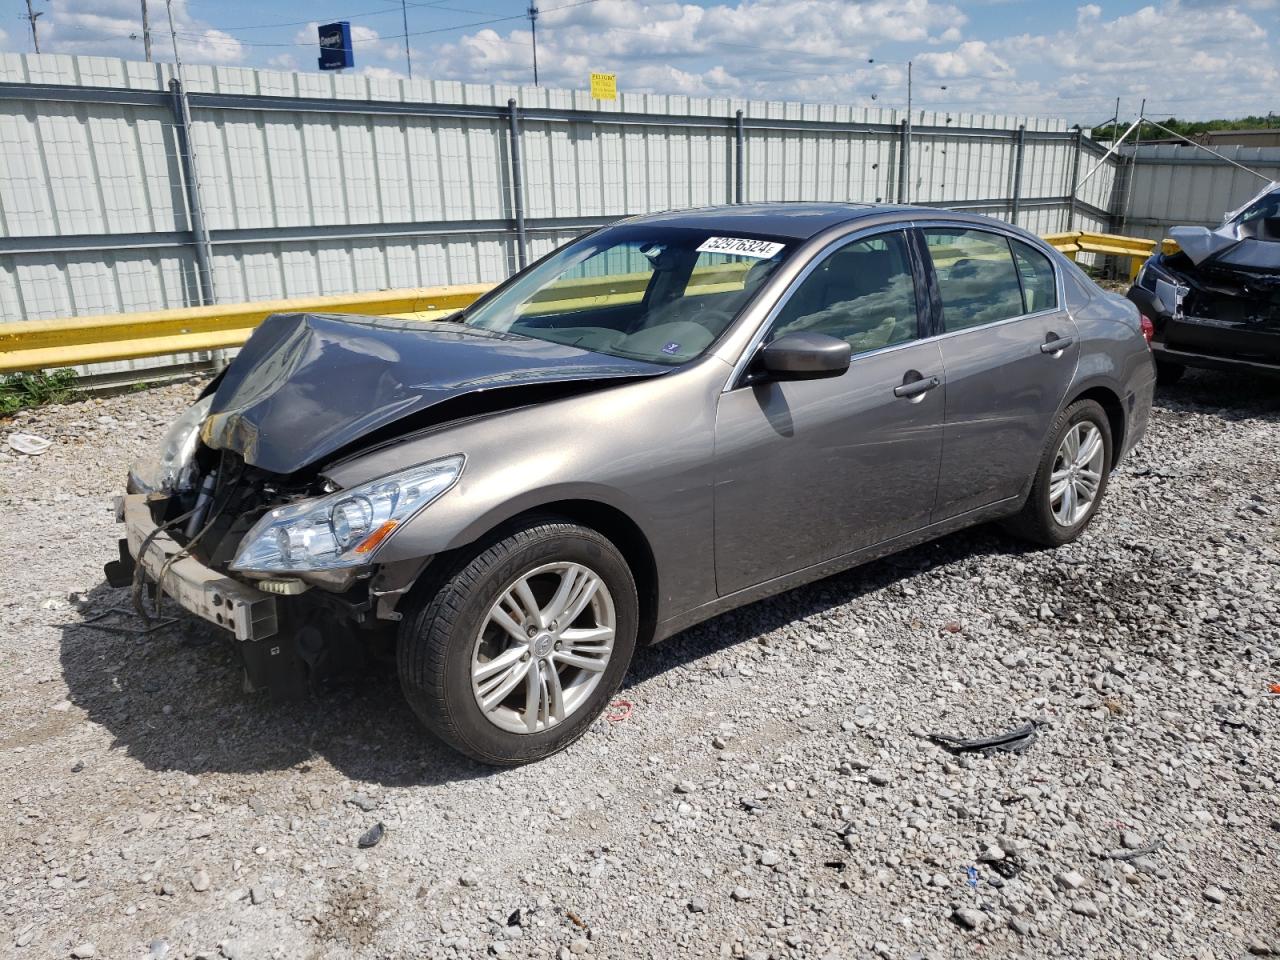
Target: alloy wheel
[
  {"x": 543, "y": 648},
  {"x": 1077, "y": 473}
]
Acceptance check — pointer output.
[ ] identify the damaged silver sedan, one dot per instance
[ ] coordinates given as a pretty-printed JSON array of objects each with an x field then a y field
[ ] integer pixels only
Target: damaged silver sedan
[{"x": 658, "y": 422}]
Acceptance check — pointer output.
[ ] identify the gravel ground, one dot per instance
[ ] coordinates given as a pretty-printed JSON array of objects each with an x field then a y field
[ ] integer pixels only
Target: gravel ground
[{"x": 771, "y": 793}]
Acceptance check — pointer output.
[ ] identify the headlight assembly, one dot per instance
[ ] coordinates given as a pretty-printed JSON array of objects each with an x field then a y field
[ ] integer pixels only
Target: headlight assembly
[
  {"x": 343, "y": 529},
  {"x": 171, "y": 469}
]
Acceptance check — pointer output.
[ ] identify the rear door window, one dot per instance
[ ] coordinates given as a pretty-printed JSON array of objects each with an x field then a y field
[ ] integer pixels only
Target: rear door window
[{"x": 976, "y": 276}]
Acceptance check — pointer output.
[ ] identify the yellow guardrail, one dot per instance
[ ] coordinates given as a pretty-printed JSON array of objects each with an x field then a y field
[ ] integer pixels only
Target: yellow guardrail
[
  {"x": 37, "y": 344},
  {"x": 49, "y": 344},
  {"x": 1137, "y": 249}
]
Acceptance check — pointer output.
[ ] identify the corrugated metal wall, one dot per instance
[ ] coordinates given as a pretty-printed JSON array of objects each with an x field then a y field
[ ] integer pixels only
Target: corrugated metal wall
[
  {"x": 1172, "y": 185},
  {"x": 346, "y": 183}
]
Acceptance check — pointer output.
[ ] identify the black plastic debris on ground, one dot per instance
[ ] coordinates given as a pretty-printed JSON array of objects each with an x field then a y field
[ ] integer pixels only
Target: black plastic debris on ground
[
  {"x": 125, "y": 622},
  {"x": 1008, "y": 868},
  {"x": 1011, "y": 741}
]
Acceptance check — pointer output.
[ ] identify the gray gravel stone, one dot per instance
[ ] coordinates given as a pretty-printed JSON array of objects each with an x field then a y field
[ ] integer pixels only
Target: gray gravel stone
[
  {"x": 1146, "y": 675},
  {"x": 1069, "y": 880}
]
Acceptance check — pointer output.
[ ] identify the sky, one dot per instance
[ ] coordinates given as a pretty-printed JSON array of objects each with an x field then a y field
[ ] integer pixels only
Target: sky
[{"x": 1193, "y": 59}]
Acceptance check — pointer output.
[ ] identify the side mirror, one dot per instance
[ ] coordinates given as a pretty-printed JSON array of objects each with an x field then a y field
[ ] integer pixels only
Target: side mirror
[{"x": 804, "y": 356}]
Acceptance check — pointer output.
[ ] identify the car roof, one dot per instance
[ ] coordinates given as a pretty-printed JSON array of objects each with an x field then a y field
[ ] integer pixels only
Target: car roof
[{"x": 795, "y": 221}]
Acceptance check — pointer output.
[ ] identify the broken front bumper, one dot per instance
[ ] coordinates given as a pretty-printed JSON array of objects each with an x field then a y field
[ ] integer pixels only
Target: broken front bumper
[{"x": 248, "y": 613}]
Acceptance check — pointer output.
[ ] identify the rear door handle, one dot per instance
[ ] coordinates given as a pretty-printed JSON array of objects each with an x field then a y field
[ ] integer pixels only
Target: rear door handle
[
  {"x": 1056, "y": 345},
  {"x": 916, "y": 388}
]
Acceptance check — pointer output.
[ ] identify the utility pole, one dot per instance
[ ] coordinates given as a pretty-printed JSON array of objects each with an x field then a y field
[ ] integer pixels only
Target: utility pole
[
  {"x": 906, "y": 142},
  {"x": 1132, "y": 165},
  {"x": 146, "y": 32},
  {"x": 32, "y": 16},
  {"x": 199, "y": 230},
  {"x": 533, "y": 27},
  {"x": 404, "y": 15}
]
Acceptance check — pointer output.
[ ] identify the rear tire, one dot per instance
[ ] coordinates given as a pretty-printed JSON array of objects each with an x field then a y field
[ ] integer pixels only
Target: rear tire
[
  {"x": 1167, "y": 374},
  {"x": 1055, "y": 514},
  {"x": 508, "y": 628}
]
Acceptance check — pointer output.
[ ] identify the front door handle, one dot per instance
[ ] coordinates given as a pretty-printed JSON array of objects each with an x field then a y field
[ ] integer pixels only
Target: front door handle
[
  {"x": 912, "y": 389},
  {"x": 1056, "y": 345}
]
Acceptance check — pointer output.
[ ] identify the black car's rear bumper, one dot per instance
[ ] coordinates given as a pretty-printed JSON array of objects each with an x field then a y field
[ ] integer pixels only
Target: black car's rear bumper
[{"x": 1210, "y": 361}]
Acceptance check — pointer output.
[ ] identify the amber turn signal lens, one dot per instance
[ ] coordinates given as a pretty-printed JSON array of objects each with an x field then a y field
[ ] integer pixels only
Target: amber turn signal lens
[{"x": 375, "y": 538}]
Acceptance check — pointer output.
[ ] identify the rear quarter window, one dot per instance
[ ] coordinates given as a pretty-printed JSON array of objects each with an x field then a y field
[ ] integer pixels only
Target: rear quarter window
[{"x": 1039, "y": 288}]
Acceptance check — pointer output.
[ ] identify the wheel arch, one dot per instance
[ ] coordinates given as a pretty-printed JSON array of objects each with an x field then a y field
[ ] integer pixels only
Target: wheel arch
[
  {"x": 604, "y": 518},
  {"x": 1109, "y": 400}
]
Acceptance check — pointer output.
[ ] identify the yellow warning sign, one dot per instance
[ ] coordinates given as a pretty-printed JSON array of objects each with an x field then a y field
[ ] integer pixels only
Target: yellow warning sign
[{"x": 604, "y": 86}]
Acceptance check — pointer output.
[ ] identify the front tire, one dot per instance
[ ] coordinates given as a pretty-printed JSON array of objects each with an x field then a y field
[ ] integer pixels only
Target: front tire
[
  {"x": 523, "y": 644},
  {"x": 1071, "y": 478}
]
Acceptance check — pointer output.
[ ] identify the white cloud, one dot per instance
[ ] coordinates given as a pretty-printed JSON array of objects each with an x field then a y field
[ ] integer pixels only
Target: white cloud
[
  {"x": 761, "y": 48},
  {"x": 113, "y": 28},
  {"x": 972, "y": 59},
  {"x": 1189, "y": 59}
]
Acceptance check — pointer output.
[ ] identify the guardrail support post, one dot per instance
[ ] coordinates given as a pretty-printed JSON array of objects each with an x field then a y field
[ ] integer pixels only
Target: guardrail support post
[
  {"x": 199, "y": 232},
  {"x": 517, "y": 184},
  {"x": 904, "y": 160},
  {"x": 1019, "y": 148},
  {"x": 739, "y": 151},
  {"x": 1075, "y": 179}
]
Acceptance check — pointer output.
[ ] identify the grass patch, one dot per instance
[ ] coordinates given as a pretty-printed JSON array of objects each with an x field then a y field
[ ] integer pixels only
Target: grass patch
[{"x": 18, "y": 391}]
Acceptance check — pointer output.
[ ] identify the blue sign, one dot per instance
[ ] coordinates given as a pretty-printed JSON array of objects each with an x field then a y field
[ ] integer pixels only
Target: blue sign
[{"x": 335, "y": 46}]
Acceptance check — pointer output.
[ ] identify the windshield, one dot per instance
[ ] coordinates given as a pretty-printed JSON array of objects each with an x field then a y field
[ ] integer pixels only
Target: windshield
[
  {"x": 1266, "y": 207},
  {"x": 659, "y": 294}
]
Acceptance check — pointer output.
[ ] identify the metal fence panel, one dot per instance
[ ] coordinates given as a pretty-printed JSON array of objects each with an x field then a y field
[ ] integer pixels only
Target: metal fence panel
[
  {"x": 1180, "y": 185},
  {"x": 318, "y": 183}
]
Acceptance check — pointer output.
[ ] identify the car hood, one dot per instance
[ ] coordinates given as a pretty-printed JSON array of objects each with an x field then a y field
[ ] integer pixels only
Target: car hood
[
  {"x": 1232, "y": 245},
  {"x": 306, "y": 385},
  {"x": 1226, "y": 248}
]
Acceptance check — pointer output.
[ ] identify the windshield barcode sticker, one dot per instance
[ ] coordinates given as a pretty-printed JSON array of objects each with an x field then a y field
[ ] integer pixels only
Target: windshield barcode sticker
[{"x": 741, "y": 246}]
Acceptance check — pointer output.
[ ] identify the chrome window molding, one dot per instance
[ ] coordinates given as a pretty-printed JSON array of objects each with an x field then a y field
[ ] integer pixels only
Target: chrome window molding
[{"x": 789, "y": 286}]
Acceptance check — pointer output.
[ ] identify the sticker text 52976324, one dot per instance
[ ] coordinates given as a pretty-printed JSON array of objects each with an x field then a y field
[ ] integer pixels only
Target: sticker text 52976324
[{"x": 741, "y": 247}]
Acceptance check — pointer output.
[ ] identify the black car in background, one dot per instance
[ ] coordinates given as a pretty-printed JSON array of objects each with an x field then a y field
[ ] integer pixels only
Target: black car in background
[{"x": 1215, "y": 303}]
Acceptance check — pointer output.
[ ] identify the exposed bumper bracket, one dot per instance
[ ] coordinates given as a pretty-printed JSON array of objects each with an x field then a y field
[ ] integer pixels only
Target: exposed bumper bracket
[{"x": 248, "y": 613}]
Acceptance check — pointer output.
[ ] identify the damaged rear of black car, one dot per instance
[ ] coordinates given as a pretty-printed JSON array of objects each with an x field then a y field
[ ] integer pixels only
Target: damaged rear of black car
[{"x": 1215, "y": 303}]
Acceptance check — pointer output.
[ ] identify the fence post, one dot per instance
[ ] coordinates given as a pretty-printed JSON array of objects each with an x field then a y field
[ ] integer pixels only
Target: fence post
[
  {"x": 904, "y": 161},
  {"x": 1020, "y": 143},
  {"x": 1075, "y": 179},
  {"x": 199, "y": 231},
  {"x": 517, "y": 184},
  {"x": 739, "y": 151}
]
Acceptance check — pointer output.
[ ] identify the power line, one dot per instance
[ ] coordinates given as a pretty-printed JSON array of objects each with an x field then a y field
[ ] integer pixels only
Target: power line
[
  {"x": 416, "y": 33},
  {"x": 438, "y": 5}
]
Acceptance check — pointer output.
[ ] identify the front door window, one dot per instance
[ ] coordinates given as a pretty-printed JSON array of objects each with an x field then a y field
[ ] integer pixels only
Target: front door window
[{"x": 862, "y": 293}]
